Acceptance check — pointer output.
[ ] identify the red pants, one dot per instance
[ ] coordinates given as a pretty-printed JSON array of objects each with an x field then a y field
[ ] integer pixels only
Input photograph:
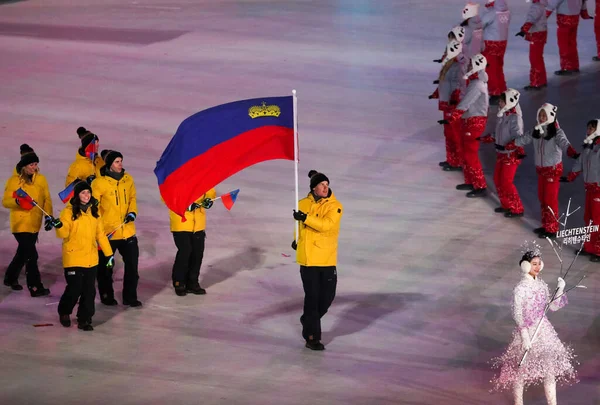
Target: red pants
[
  {"x": 537, "y": 74},
  {"x": 592, "y": 212},
  {"x": 504, "y": 175},
  {"x": 452, "y": 133},
  {"x": 548, "y": 185},
  {"x": 567, "y": 41},
  {"x": 597, "y": 27},
  {"x": 494, "y": 53},
  {"x": 472, "y": 128}
]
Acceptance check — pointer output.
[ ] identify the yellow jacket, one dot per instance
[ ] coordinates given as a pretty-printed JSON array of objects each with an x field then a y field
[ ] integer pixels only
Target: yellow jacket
[
  {"x": 22, "y": 220},
  {"x": 82, "y": 168},
  {"x": 117, "y": 199},
  {"x": 318, "y": 241},
  {"x": 81, "y": 238},
  {"x": 195, "y": 220}
]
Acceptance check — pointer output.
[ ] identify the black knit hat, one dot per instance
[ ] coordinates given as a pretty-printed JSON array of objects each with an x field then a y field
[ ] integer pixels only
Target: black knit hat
[
  {"x": 316, "y": 178},
  {"x": 104, "y": 153},
  {"x": 28, "y": 157},
  {"x": 111, "y": 156},
  {"x": 81, "y": 131},
  {"x": 87, "y": 139},
  {"x": 79, "y": 187}
]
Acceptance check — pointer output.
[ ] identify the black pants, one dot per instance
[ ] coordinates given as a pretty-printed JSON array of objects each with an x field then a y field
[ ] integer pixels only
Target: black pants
[
  {"x": 130, "y": 252},
  {"x": 190, "y": 251},
  {"x": 319, "y": 291},
  {"x": 26, "y": 256},
  {"x": 81, "y": 285}
]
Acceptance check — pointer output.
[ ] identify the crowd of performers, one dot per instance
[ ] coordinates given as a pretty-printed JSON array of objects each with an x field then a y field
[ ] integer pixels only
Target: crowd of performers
[
  {"x": 97, "y": 221},
  {"x": 471, "y": 78}
]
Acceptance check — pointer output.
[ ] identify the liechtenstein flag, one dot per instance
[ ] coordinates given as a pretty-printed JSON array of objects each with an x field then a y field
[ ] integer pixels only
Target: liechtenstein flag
[
  {"x": 216, "y": 143},
  {"x": 68, "y": 192}
]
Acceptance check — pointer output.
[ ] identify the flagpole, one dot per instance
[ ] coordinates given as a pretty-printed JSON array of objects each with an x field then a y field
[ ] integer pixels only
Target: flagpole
[{"x": 295, "y": 104}]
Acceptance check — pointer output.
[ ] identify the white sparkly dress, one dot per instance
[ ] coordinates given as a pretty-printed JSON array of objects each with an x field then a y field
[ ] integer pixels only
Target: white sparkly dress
[{"x": 548, "y": 356}]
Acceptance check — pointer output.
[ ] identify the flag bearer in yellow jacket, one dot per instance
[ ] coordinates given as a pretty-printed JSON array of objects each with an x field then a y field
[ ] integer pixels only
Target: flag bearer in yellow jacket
[
  {"x": 26, "y": 220},
  {"x": 319, "y": 215},
  {"x": 80, "y": 227},
  {"x": 86, "y": 165},
  {"x": 115, "y": 191},
  {"x": 189, "y": 238}
]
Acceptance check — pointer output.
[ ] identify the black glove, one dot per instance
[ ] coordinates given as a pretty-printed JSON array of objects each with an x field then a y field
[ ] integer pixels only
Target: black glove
[
  {"x": 193, "y": 207},
  {"x": 207, "y": 203},
  {"x": 564, "y": 179},
  {"x": 130, "y": 217},
  {"x": 299, "y": 216},
  {"x": 453, "y": 102},
  {"x": 90, "y": 179},
  {"x": 436, "y": 82},
  {"x": 48, "y": 223},
  {"x": 520, "y": 34},
  {"x": 430, "y": 96},
  {"x": 294, "y": 245},
  {"x": 57, "y": 223},
  {"x": 437, "y": 60},
  {"x": 499, "y": 147},
  {"x": 521, "y": 157},
  {"x": 575, "y": 156},
  {"x": 536, "y": 134},
  {"x": 442, "y": 122}
]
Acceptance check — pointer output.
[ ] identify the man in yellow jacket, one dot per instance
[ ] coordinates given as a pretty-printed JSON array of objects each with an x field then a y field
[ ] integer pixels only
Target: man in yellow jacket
[
  {"x": 319, "y": 215},
  {"x": 80, "y": 227},
  {"x": 83, "y": 168},
  {"x": 115, "y": 191},
  {"x": 26, "y": 220},
  {"x": 189, "y": 238}
]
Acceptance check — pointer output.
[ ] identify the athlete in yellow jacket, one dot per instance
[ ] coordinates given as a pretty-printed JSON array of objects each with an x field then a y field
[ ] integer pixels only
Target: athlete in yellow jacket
[
  {"x": 115, "y": 191},
  {"x": 83, "y": 168},
  {"x": 26, "y": 220},
  {"x": 189, "y": 238},
  {"x": 319, "y": 215},
  {"x": 82, "y": 232}
]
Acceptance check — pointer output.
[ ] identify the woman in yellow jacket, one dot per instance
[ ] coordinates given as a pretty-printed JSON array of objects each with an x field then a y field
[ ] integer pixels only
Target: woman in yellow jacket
[
  {"x": 189, "y": 238},
  {"x": 26, "y": 220},
  {"x": 84, "y": 168},
  {"x": 115, "y": 191},
  {"x": 319, "y": 215},
  {"x": 80, "y": 227}
]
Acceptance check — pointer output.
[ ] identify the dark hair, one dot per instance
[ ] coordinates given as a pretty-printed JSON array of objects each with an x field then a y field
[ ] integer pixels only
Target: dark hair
[
  {"x": 451, "y": 35},
  {"x": 76, "y": 203},
  {"x": 593, "y": 123},
  {"x": 551, "y": 130},
  {"x": 503, "y": 97}
]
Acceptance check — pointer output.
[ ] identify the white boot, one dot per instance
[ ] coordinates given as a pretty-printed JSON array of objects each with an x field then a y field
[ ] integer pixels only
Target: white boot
[
  {"x": 518, "y": 393},
  {"x": 550, "y": 390}
]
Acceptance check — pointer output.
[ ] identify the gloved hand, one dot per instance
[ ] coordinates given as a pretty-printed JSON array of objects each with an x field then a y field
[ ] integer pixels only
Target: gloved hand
[
  {"x": 520, "y": 34},
  {"x": 436, "y": 82},
  {"x": 453, "y": 102},
  {"x": 485, "y": 139},
  {"x": 575, "y": 155},
  {"x": 521, "y": 156},
  {"x": 193, "y": 207},
  {"x": 48, "y": 223},
  {"x": 430, "y": 96},
  {"x": 294, "y": 245},
  {"x": 437, "y": 60},
  {"x": 585, "y": 15},
  {"x": 442, "y": 122},
  {"x": 561, "y": 286},
  {"x": 90, "y": 179},
  {"x": 299, "y": 216},
  {"x": 499, "y": 147},
  {"x": 130, "y": 217},
  {"x": 564, "y": 179},
  {"x": 110, "y": 263},
  {"x": 56, "y": 223},
  {"x": 526, "y": 341},
  {"x": 207, "y": 203}
]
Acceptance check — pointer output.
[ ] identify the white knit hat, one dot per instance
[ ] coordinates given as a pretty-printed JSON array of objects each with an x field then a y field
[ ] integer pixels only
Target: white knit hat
[
  {"x": 512, "y": 99},
  {"x": 550, "y": 113},
  {"x": 459, "y": 33},
  {"x": 470, "y": 10},
  {"x": 453, "y": 49},
  {"x": 478, "y": 63}
]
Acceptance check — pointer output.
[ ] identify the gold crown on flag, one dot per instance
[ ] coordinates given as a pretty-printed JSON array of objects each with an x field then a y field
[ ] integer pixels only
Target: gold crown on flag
[{"x": 264, "y": 111}]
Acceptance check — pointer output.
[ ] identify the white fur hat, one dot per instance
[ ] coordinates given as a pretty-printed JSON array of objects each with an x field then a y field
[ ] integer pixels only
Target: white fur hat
[
  {"x": 470, "y": 10},
  {"x": 478, "y": 63},
  {"x": 550, "y": 113},
  {"x": 512, "y": 99},
  {"x": 453, "y": 49},
  {"x": 459, "y": 33}
]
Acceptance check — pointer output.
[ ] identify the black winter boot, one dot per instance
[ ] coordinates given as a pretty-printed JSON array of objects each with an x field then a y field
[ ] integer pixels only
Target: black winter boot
[
  {"x": 539, "y": 230},
  {"x": 510, "y": 214},
  {"x": 85, "y": 325},
  {"x": 315, "y": 345},
  {"x": 65, "y": 320},
  {"x": 196, "y": 289},
  {"x": 39, "y": 291},
  {"x": 464, "y": 186},
  {"x": 500, "y": 210},
  {"x": 108, "y": 300},
  {"x": 15, "y": 286},
  {"x": 480, "y": 192}
]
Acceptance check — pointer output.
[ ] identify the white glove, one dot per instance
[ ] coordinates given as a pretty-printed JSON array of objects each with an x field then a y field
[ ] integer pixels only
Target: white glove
[
  {"x": 525, "y": 339},
  {"x": 561, "y": 286}
]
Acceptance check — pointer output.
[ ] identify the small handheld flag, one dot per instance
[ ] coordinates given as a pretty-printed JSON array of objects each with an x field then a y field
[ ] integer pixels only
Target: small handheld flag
[
  {"x": 23, "y": 194},
  {"x": 68, "y": 192},
  {"x": 229, "y": 198},
  {"x": 92, "y": 150}
]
